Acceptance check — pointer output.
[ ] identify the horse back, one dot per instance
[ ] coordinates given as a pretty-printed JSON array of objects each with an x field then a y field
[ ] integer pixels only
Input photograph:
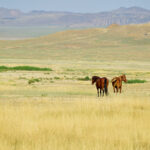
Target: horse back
[{"x": 116, "y": 82}]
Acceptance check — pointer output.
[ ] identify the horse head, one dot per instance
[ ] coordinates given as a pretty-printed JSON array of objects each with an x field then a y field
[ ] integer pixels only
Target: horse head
[
  {"x": 94, "y": 79},
  {"x": 123, "y": 77}
]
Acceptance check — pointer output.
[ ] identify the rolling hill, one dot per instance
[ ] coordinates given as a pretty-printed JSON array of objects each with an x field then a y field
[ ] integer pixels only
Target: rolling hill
[{"x": 128, "y": 42}]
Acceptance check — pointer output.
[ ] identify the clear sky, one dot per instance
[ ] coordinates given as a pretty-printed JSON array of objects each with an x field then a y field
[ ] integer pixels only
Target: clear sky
[{"x": 73, "y": 5}]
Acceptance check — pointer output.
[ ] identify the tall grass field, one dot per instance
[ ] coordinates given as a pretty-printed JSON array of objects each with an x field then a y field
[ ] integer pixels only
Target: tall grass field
[{"x": 61, "y": 124}]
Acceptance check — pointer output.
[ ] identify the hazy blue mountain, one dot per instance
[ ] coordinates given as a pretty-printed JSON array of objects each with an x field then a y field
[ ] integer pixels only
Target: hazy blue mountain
[{"x": 132, "y": 15}]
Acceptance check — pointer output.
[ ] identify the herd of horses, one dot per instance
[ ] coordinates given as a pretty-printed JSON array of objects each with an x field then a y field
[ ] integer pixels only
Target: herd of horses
[{"x": 102, "y": 84}]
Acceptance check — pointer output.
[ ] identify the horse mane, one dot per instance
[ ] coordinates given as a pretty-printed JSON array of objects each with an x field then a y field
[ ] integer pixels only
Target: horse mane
[
  {"x": 94, "y": 78},
  {"x": 117, "y": 78}
]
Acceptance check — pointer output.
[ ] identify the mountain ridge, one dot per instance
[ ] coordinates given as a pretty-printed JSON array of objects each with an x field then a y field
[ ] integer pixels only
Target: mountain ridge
[{"x": 121, "y": 16}]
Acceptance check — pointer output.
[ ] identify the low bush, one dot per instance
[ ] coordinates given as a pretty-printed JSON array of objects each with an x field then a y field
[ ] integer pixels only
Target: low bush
[
  {"x": 136, "y": 81},
  {"x": 56, "y": 78},
  {"x": 84, "y": 79},
  {"x": 27, "y": 68},
  {"x": 33, "y": 80}
]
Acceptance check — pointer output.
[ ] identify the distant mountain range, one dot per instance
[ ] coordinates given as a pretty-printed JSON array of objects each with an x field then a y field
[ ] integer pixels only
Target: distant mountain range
[{"x": 121, "y": 16}]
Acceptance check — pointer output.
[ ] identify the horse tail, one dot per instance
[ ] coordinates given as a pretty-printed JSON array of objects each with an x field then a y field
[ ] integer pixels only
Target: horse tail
[{"x": 105, "y": 86}]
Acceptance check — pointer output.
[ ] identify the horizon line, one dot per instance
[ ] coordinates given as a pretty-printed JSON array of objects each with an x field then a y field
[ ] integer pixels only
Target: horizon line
[{"x": 38, "y": 10}]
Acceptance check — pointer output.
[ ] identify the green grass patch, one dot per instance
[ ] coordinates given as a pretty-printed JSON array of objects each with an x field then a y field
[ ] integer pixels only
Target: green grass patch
[
  {"x": 33, "y": 80},
  {"x": 56, "y": 78},
  {"x": 84, "y": 79},
  {"x": 136, "y": 81},
  {"x": 22, "y": 68}
]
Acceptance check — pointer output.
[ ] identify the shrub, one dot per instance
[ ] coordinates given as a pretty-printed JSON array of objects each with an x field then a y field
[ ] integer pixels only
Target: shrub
[
  {"x": 27, "y": 68},
  {"x": 84, "y": 79},
  {"x": 136, "y": 81},
  {"x": 33, "y": 80},
  {"x": 3, "y": 67},
  {"x": 56, "y": 78}
]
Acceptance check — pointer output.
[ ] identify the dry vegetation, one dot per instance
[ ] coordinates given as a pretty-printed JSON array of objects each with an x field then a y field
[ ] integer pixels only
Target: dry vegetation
[
  {"x": 60, "y": 112},
  {"x": 56, "y": 110},
  {"x": 83, "y": 123}
]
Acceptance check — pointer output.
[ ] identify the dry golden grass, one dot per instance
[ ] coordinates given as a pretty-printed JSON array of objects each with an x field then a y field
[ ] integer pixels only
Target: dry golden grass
[
  {"x": 70, "y": 124},
  {"x": 67, "y": 115}
]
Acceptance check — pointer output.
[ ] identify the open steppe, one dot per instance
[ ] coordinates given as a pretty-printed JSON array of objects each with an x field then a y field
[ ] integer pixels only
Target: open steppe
[{"x": 59, "y": 110}]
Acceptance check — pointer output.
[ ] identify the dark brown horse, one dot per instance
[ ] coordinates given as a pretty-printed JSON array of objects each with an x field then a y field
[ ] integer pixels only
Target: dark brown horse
[
  {"x": 101, "y": 84},
  {"x": 117, "y": 83}
]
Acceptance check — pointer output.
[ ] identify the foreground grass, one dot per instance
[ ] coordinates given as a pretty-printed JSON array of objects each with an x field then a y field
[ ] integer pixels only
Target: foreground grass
[{"x": 61, "y": 124}]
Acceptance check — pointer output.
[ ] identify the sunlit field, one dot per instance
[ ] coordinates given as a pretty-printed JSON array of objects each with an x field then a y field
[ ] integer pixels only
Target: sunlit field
[
  {"x": 82, "y": 123},
  {"x": 59, "y": 111},
  {"x": 55, "y": 107}
]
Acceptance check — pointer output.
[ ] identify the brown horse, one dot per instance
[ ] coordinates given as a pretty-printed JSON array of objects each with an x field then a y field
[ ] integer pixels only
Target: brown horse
[
  {"x": 101, "y": 83},
  {"x": 117, "y": 82}
]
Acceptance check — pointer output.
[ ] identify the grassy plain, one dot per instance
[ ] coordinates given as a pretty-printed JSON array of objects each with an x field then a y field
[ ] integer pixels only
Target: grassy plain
[{"x": 60, "y": 112}]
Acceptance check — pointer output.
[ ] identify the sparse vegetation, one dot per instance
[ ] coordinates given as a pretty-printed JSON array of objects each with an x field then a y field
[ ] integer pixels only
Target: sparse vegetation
[
  {"x": 22, "y": 78},
  {"x": 24, "y": 68},
  {"x": 136, "y": 81},
  {"x": 57, "y": 78},
  {"x": 33, "y": 80},
  {"x": 84, "y": 79}
]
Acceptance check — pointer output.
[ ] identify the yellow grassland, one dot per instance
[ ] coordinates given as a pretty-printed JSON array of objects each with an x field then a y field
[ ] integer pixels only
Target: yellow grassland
[{"x": 60, "y": 112}]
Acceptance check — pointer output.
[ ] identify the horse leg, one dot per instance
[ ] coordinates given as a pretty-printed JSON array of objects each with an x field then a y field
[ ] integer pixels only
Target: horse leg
[
  {"x": 120, "y": 89},
  {"x": 103, "y": 92},
  {"x": 98, "y": 92},
  {"x": 117, "y": 89},
  {"x": 114, "y": 89}
]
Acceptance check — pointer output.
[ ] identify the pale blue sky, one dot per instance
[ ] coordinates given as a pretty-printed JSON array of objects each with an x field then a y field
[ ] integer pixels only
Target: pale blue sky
[{"x": 73, "y": 5}]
